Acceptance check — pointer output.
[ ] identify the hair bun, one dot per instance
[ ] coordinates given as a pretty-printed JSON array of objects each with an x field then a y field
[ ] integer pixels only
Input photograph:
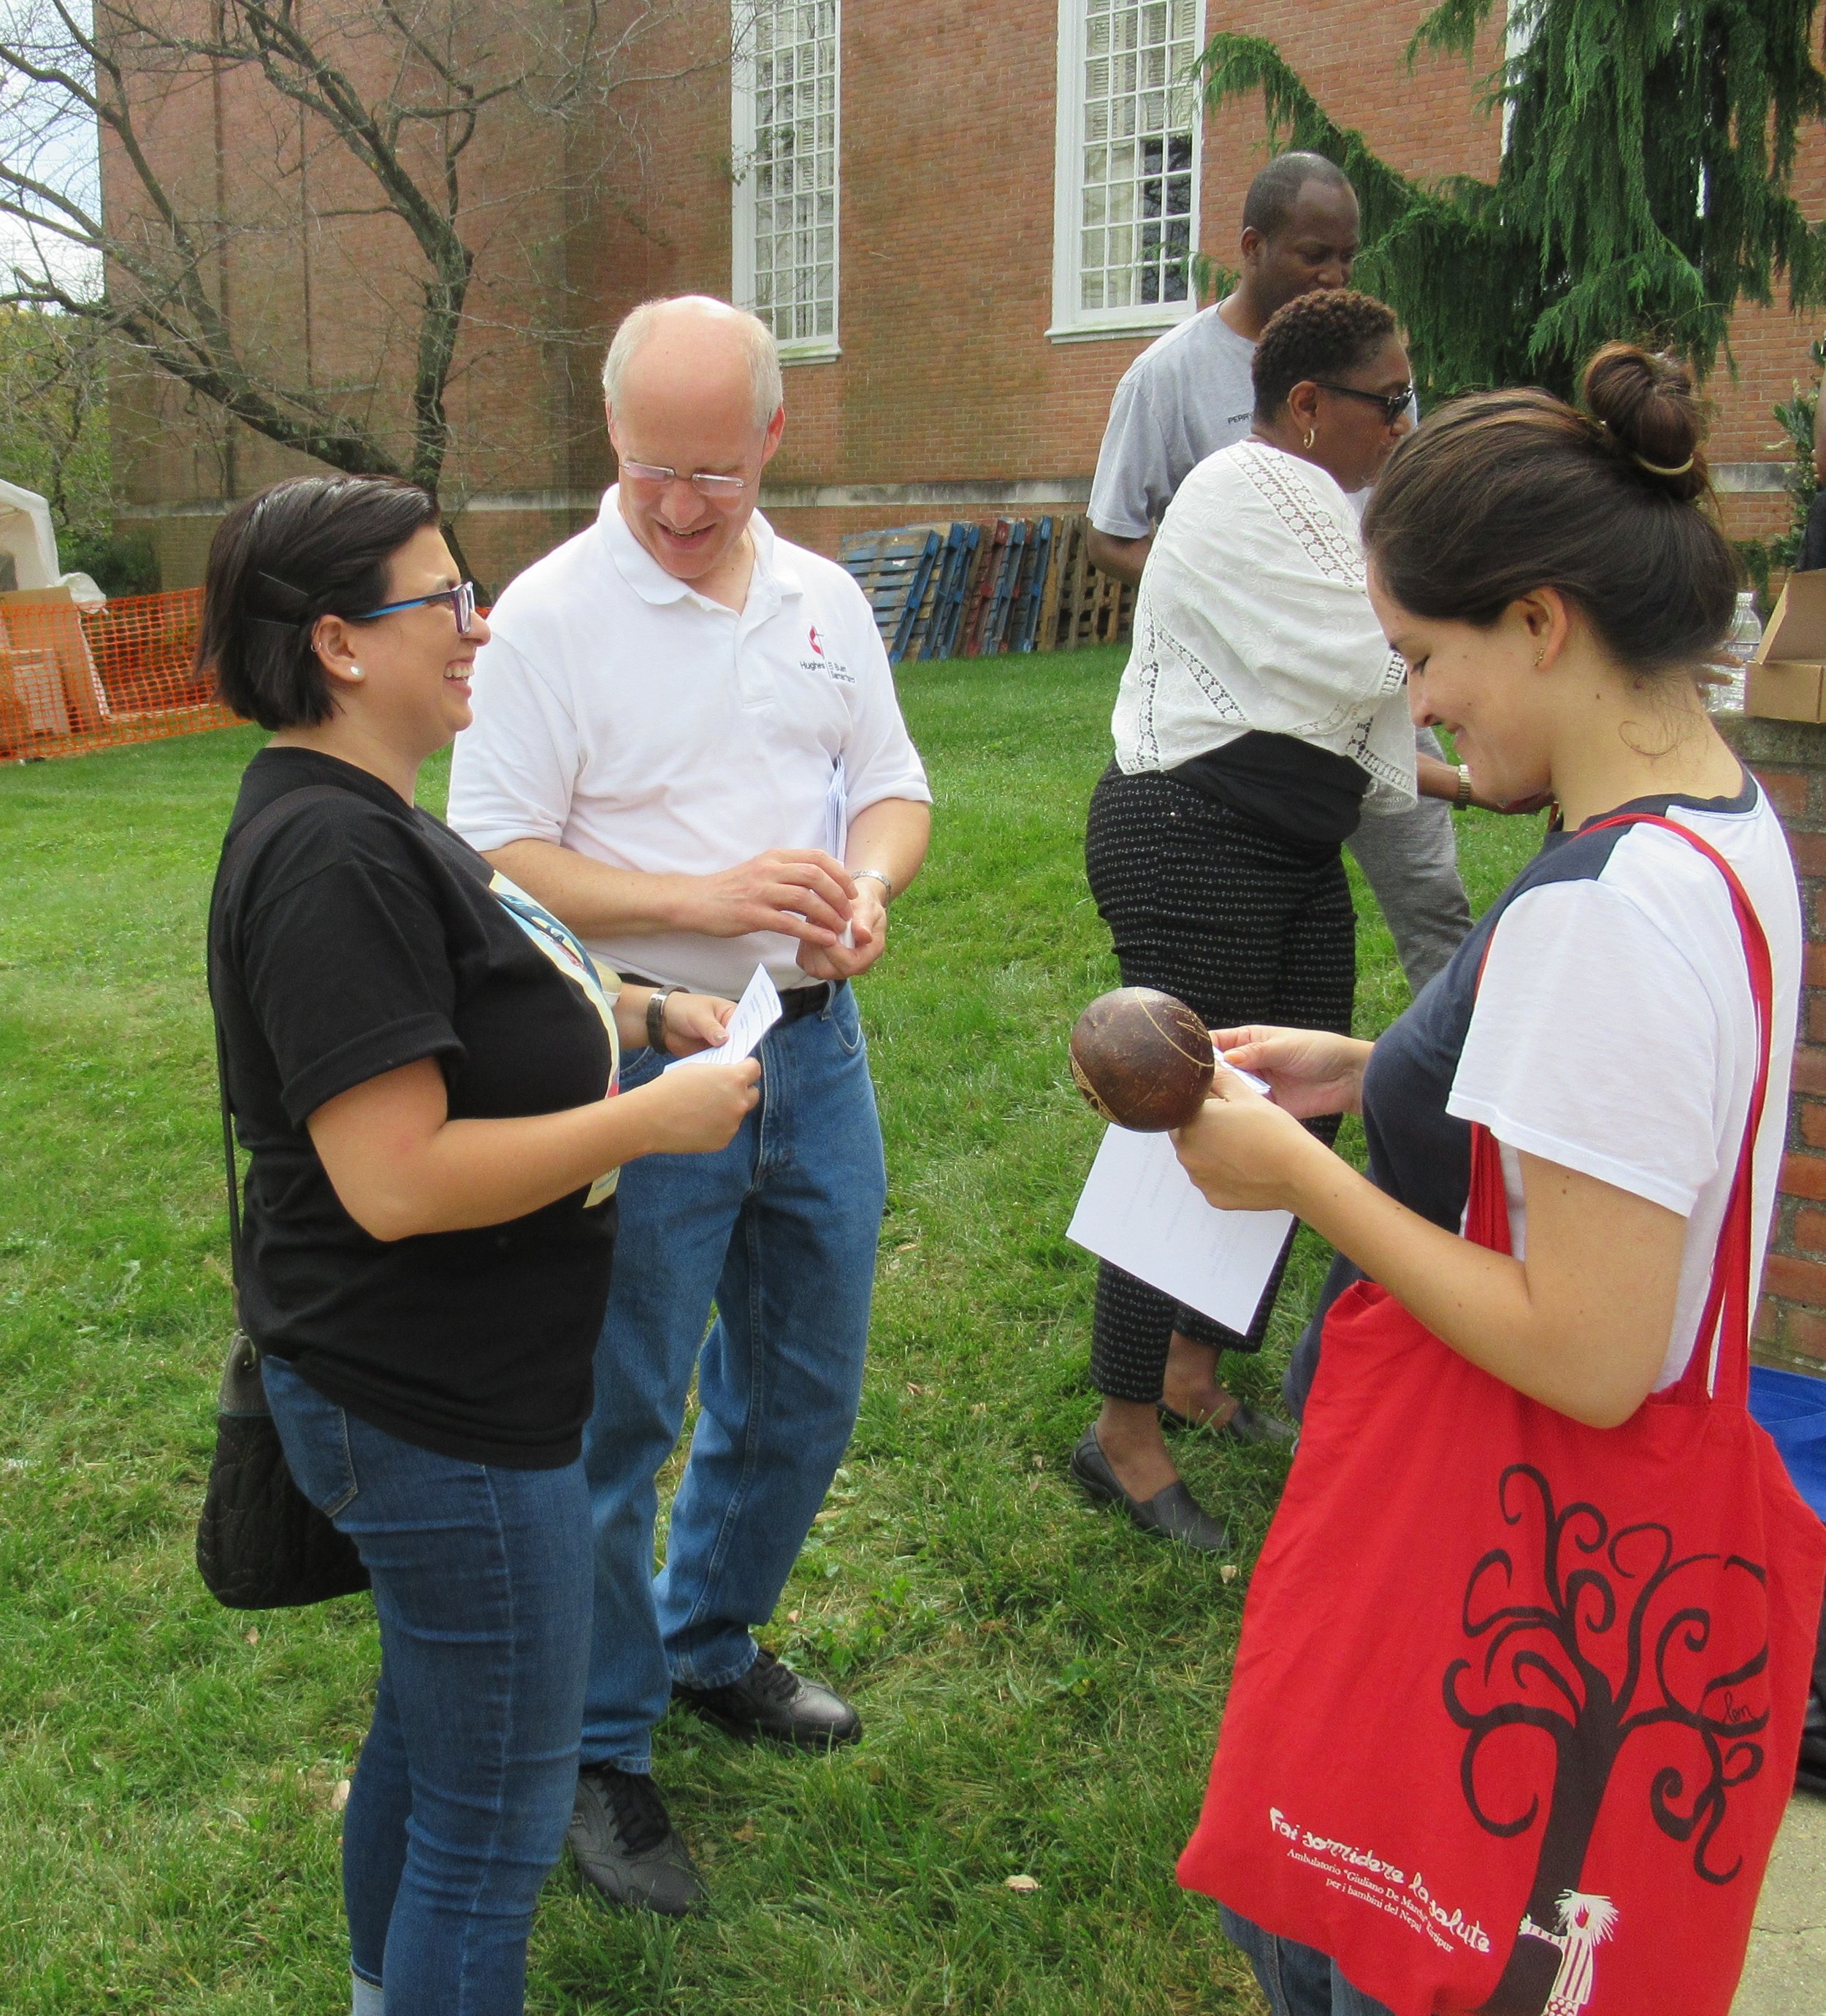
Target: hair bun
[{"x": 1647, "y": 407}]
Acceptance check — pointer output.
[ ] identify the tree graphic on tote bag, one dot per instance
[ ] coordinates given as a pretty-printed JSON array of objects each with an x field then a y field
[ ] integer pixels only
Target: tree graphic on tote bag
[{"x": 1614, "y": 1642}]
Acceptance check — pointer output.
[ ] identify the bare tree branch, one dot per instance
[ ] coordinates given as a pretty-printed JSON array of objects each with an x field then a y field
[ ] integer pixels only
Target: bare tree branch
[{"x": 374, "y": 114}]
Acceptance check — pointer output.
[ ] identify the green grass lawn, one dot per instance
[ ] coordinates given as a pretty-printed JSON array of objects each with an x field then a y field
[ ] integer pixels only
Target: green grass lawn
[{"x": 1040, "y": 1684}]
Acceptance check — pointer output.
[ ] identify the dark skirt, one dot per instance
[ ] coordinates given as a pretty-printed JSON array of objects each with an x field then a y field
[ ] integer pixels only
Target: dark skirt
[{"x": 1244, "y": 925}]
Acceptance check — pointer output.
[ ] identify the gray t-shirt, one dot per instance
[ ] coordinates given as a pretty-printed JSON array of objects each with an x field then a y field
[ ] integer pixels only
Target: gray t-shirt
[{"x": 1188, "y": 394}]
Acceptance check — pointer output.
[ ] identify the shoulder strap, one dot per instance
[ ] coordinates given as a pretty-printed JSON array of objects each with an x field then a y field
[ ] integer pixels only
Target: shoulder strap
[
  {"x": 1721, "y": 1369},
  {"x": 262, "y": 823}
]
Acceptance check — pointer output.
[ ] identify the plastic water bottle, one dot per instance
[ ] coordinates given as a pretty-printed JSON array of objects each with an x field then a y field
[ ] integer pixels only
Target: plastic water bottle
[{"x": 1733, "y": 655}]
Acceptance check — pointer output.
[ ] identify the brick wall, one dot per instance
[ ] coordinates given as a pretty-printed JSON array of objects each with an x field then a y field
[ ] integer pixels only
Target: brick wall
[
  {"x": 947, "y": 374},
  {"x": 1789, "y": 760}
]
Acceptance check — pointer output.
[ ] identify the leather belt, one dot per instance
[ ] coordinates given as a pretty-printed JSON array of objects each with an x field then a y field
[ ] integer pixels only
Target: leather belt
[
  {"x": 795, "y": 1003},
  {"x": 798, "y": 1002}
]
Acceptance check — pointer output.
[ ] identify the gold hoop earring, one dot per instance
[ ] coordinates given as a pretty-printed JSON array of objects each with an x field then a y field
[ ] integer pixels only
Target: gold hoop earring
[{"x": 1311, "y": 435}]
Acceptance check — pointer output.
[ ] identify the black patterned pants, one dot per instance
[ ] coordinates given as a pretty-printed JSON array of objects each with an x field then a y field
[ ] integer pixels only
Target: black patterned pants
[{"x": 1243, "y": 925}]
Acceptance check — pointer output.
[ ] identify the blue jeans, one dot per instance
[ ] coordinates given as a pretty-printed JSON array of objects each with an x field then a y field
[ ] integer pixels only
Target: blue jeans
[
  {"x": 1298, "y": 1980},
  {"x": 458, "y": 1808},
  {"x": 778, "y": 1228}
]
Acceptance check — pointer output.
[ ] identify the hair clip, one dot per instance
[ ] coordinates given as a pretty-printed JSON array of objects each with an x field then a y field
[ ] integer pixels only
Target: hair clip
[
  {"x": 285, "y": 587},
  {"x": 1655, "y": 469}
]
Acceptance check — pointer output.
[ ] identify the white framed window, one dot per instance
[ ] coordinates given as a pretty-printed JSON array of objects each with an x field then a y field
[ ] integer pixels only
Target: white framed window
[
  {"x": 786, "y": 128},
  {"x": 1126, "y": 187}
]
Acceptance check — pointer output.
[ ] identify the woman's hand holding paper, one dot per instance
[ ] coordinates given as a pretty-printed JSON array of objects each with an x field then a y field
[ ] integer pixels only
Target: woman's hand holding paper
[
  {"x": 696, "y": 1022},
  {"x": 1308, "y": 1072},
  {"x": 1243, "y": 1151}
]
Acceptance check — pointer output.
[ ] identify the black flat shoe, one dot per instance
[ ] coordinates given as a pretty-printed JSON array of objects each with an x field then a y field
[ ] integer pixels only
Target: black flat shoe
[
  {"x": 1172, "y": 1514},
  {"x": 770, "y": 1700},
  {"x": 1247, "y": 1424}
]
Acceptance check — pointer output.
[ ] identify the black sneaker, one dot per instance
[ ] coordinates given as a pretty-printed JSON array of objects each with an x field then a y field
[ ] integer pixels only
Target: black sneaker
[
  {"x": 771, "y": 1700},
  {"x": 626, "y": 1847}
]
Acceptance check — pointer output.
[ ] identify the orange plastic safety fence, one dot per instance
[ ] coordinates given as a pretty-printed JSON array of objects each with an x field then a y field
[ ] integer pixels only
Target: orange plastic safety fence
[{"x": 70, "y": 682}]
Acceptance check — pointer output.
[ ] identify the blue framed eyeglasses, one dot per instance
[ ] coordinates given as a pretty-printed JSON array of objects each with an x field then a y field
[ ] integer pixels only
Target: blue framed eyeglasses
[{"x": 462, "y": 599}]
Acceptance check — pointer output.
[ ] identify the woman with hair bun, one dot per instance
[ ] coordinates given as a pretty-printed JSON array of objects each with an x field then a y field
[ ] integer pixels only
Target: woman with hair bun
[
  {"x": 1260, "y": 706},
  {"x": 1536, "y": 1331},
  {"x": 422, "y": 1064}
]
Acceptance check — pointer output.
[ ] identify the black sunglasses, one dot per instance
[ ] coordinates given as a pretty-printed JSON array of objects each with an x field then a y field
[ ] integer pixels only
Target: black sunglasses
[{"x": 1393, "y": 404}]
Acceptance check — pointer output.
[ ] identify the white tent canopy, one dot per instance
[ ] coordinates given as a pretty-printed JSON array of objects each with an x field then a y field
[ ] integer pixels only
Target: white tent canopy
[
  {"x": 26, "y": 534},
  {"x": 28, "y": 539}
]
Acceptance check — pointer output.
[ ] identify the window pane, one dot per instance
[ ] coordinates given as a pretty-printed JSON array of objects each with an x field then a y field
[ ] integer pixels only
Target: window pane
[
  {"x": 1135, "y": 182},
  {"x": 791, "y": 181}
]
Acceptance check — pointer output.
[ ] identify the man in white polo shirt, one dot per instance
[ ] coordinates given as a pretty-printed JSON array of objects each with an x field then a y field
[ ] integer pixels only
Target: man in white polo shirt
[{"x": 687, "y": 745}]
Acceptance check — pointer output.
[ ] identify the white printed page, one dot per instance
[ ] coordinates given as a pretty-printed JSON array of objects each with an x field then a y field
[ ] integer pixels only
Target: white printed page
[
  {"x": 756, "y": 1013},
  {"x": 1141, "y": 1212}
]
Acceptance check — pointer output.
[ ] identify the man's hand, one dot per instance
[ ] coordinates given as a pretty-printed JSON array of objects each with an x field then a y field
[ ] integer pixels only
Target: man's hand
[
  {"x": 801, "y": 892},
  {"x": 868, "y": 935}
]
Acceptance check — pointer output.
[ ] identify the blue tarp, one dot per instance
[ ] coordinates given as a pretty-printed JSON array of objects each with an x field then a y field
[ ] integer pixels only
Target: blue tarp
[{"x": 1791, "y": 1405}]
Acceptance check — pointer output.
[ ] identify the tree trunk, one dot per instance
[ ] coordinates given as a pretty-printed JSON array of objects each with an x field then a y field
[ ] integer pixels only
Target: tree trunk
[
  {"x": 448, "y": 529},
  {"x": 1582, "y": 1772}
]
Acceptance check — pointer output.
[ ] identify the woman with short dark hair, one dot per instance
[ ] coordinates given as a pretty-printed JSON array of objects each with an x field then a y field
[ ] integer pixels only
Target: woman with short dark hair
[
  {"x": 1529, "y": 1522},
  {"x": 1260, "y": 707},
  {"x": 421, "y": 1064}
]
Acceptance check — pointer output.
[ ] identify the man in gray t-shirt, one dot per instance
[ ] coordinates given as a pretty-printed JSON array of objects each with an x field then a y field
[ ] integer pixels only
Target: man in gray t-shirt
[
  {"x": 1189, "y": 394},
  {"x": 1184, "y": 398}
]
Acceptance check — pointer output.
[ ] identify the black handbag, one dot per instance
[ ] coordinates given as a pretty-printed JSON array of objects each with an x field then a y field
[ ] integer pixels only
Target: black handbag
[{"x": 261, "y": 1543}]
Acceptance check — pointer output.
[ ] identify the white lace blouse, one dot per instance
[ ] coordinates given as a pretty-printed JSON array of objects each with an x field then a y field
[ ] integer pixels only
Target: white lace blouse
[{"x": 1252, "y": 616}]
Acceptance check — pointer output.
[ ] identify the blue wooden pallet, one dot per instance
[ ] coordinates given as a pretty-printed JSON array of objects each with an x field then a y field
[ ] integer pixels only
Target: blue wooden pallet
[
  {"x": 1031, "y": 591},
  {"x": 947, "y": 596},
  {"x": 893, "y": 570}
]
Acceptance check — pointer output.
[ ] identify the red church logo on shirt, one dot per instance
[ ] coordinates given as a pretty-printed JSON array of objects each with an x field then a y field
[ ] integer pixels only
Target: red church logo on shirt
[{"x": 813, "y": 633}]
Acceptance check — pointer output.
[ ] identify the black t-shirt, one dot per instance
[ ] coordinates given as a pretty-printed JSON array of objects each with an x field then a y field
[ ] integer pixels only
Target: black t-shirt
[
  {"x": 1309, "y": 795},
  {"x": 354, "y": 934}
]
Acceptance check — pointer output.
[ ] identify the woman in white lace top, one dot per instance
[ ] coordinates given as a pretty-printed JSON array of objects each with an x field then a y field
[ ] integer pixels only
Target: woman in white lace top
[{"x": 1260, "y": 707}]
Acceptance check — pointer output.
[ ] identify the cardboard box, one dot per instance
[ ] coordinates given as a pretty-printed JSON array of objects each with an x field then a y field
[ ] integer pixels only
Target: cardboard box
[{"x": 1787, "y": 677}]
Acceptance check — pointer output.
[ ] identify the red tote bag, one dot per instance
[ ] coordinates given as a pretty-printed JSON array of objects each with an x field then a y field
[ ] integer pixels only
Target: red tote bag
[{"x": 1517, "y": 1701}]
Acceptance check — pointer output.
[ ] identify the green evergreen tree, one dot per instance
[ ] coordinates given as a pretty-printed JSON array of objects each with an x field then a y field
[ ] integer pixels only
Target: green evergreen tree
[
  {"x": 1795, "y": 416},
  {"x": 1644, "y": 190}
]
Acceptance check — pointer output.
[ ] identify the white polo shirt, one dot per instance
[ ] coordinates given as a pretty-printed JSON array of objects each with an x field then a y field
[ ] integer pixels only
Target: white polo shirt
[{"x": 620, "y": 713}]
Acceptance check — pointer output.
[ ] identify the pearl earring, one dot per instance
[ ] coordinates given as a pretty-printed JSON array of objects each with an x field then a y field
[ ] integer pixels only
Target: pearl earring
[{"x": 355, "y": 671}]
